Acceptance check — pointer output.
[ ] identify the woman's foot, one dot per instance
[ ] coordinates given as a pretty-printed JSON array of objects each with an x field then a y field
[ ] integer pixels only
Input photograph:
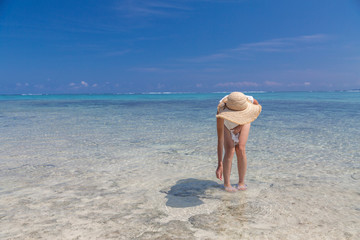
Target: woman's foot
[
  {"x": 241, "y": 187},
  {"x": 230, "y": 189}
]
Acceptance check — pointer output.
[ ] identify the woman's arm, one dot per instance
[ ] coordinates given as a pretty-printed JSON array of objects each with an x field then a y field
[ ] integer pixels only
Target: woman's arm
[{"x": 220, "y": 135}]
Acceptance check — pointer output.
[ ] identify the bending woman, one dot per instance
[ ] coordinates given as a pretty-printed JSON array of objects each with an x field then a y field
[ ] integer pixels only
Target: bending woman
[{"x": 235, "y": 112}]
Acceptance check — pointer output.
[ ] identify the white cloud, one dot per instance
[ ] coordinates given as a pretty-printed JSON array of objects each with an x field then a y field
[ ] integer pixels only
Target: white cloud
[
  {"x": 85, "y": 84},
  {"x": 282, "y": 44},
  {"x": 160, "y": 85},
  {"x": 154, "y": 8},
  {"x": 272, "y": 83},
  {"x": 237, "y": 84},
  {"x": 212, "y": 57},
  {"x": 72, "y": 84},
  {"x": 299, "y": 84},
  {"x": 150, "y": 69},
  {"x": 22, "y": 84},
  {"x": 289, "y": 44},
  {"x": 39, "y": 86}
]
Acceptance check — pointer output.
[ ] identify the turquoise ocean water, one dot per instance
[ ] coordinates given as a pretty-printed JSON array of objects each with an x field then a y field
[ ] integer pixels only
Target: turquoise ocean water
[{"x": 142, "y": 166}]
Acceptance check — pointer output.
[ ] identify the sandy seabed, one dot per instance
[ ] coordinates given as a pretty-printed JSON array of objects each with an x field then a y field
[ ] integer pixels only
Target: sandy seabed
[{"x": 94, "y": 173}]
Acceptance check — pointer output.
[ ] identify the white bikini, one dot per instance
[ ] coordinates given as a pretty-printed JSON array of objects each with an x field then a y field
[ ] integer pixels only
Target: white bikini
[{"x": 230, "y": 125}]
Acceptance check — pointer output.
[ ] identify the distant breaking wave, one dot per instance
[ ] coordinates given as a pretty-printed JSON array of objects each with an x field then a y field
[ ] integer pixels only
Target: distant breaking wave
[
  {"x": 255, "y": 91},
  {"x": 156, "y": 93},
  {"x": 244, "y": 92}
]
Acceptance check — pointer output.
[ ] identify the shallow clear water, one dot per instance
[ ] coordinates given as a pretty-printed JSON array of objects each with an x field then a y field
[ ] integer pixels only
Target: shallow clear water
[{"x": 143, "y": 167}]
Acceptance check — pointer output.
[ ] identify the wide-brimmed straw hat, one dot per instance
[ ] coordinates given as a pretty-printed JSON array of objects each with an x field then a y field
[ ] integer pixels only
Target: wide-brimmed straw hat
[{"x": 238, "y": 109}]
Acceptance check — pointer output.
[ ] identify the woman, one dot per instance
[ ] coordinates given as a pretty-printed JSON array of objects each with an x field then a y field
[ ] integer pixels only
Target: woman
[{"x": 235, "y": 112}]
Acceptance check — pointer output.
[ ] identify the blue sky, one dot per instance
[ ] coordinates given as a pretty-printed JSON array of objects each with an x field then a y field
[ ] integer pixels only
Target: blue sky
[{"x": 178, "y": 45}]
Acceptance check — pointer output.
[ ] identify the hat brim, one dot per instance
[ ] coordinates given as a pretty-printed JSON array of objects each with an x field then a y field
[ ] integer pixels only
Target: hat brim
[{"x": 248, "y": 115}]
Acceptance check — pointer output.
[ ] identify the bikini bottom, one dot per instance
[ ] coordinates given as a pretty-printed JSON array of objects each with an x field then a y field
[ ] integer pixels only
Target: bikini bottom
[{"x": 235, "y": 137}]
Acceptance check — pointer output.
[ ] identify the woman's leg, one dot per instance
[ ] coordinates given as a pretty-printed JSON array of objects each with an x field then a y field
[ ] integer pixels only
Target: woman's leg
[
  {"x": 241, "y": 155},
  {"x": 227, "y": 161}
]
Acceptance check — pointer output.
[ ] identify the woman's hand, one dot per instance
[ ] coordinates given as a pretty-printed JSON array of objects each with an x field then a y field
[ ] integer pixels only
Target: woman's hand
[
  {"x": 256, "y": 102},
  {"x": 219, "y": 172},
  {"x": 236, "y": 129}
]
